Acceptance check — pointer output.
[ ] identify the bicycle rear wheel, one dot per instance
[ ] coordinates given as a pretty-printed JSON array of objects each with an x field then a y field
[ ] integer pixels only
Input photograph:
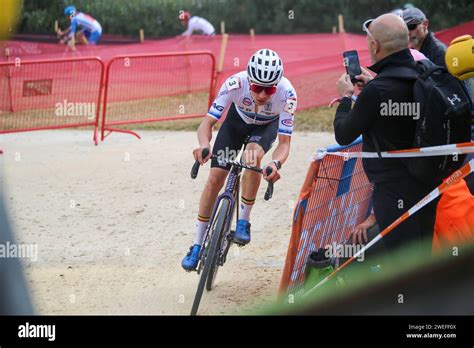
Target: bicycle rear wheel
[{"x": 210, "y": 263}]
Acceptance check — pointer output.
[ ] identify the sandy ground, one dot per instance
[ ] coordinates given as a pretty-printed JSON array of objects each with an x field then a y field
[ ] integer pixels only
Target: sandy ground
[{"x": 112, "y": 223}]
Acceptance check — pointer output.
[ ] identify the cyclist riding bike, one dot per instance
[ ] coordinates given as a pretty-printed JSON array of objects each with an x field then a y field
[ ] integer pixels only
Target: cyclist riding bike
[
  {"x": 261, "y": 104},
  {"x": 91, "y": 29}
]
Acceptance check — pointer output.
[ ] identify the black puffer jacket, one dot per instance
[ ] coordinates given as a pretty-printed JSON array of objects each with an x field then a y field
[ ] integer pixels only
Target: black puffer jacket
[
  {"x": 434, "y": 49},
  {"x": 365, "y": 118}
]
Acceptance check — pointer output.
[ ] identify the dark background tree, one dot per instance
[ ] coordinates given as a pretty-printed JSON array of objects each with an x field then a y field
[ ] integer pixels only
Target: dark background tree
[{"x": 159, "y": 17}]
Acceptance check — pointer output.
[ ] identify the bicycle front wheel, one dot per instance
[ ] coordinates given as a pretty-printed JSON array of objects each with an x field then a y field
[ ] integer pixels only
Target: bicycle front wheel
[
  {"x": 210, "y": 263},
  {"x": 220, "y": 226}
]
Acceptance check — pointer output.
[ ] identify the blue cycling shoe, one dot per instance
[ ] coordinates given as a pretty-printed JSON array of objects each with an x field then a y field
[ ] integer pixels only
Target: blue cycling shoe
[
  {"x": 191, "y": 259},
  {"x": 242, "y": 232}
]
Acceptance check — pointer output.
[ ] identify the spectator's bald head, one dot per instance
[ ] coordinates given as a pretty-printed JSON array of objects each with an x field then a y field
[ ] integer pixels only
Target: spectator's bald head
[{"x": 391, "y": 34}]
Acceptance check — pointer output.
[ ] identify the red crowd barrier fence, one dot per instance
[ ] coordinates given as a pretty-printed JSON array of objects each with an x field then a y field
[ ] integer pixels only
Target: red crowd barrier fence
[
  {"x": 50, "y": 94},
  {"x": 156, "y": 87},
  {"x": 335, "y": 197}
]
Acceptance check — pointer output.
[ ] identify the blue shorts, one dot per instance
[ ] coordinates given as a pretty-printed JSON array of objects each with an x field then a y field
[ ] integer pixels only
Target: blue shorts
[{"x": 92, "y": 38}]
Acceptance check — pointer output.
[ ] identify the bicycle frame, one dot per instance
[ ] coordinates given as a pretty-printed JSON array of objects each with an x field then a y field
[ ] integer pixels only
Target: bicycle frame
[
  {"x": 231, "y": 193},
  {"x": 216, "y": 245}
]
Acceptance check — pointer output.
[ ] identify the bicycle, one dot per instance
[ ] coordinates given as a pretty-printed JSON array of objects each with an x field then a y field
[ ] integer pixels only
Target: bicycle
[{"x": 219, "y": 236}]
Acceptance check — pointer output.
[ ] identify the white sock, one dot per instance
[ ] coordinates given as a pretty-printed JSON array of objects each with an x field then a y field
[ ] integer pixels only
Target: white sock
[
  {"x": 201, "y": 226},
  {"x": 245, "y": 208}
]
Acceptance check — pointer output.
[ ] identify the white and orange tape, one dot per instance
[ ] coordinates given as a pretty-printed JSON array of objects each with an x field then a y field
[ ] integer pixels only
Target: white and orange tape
[
  {"x": 458, "y": 175},
  {"x": 441, "y": 150}
]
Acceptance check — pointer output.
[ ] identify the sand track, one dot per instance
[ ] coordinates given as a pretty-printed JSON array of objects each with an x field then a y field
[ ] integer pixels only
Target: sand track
[{"x": 112, "y": 222}]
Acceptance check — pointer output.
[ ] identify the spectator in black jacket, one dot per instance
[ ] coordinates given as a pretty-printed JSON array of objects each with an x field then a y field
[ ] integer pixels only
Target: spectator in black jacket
[
  {"x": 421, "y": 38},
  {"x": 395, "y": 190}
]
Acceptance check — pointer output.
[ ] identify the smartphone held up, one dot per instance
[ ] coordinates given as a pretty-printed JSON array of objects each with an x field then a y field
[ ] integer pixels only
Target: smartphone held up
[{"x": 351, "y": 62}]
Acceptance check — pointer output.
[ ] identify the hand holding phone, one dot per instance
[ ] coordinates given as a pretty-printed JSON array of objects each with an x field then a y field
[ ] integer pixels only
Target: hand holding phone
[{"x": 351, "y": 62}]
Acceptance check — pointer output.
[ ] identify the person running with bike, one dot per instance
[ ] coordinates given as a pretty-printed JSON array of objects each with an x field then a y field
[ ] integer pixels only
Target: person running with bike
[
  {"x": 261, "y": 104},
  {"x": 195, "y": 24}
]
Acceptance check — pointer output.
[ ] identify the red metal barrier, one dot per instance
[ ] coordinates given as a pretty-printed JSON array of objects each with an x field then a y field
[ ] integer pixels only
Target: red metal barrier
[
  {"x": 156, "y": 87},
  {"x": 50, "y": 94},
  {"x": 336, "y": 196}
]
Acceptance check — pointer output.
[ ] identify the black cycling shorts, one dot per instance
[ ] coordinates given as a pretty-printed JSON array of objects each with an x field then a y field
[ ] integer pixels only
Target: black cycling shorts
[{"x": 234, "y": 131}]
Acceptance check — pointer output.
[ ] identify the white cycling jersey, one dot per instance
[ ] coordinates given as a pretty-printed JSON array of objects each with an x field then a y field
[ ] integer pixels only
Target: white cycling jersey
[
  {"x": 236, "y": 89},
  {"x": 200, "y": 25}
]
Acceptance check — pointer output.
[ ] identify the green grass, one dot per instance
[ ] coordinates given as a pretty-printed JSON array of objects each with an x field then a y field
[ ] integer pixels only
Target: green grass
[
  {"x": 191, "y": 124},
  {"x": 38, "y": 118},
  {"x": 315, "y": 120},
  {"x": 359, "y": 279},
  {"x": 311, "y": 120}
]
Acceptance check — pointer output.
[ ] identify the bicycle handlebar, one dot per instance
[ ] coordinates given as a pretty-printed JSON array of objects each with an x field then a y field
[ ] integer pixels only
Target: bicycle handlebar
[
  {"x": 196, "y": 165},
  {"x": 269, "y": 192},
  {"x": 268, "y": 170}
]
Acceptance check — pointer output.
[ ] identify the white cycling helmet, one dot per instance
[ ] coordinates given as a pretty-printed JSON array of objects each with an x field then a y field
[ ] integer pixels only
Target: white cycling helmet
[{"x": 265, "y": 68}]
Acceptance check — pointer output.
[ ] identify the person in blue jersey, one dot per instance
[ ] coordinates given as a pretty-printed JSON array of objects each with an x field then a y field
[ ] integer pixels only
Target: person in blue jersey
[
  {"x": 87, "y": 29},
  {"x": 261, "y": 104}
]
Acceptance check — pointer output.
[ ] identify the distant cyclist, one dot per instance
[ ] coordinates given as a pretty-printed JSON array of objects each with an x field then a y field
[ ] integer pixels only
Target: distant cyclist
[
  {"x": 195, "y": 24},
  {"x": 91, "y": 30},
  {"x": 261, "y": 105}
]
